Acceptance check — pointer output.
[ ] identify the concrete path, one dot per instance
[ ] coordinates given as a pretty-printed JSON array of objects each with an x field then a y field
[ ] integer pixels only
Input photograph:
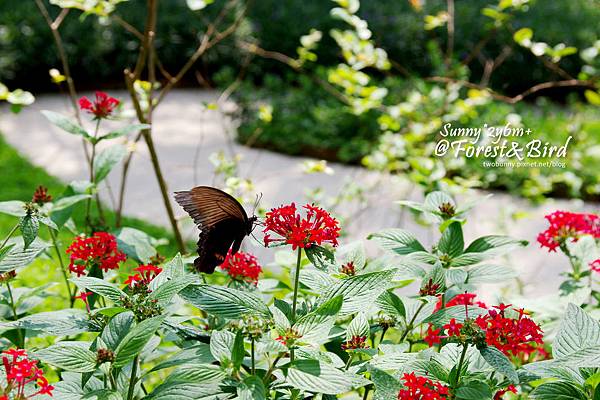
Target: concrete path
[{"x": 184, "y": 133}]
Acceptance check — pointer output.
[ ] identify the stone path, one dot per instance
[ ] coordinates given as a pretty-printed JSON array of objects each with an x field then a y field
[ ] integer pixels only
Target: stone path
[{"x": 184, "y": 133}]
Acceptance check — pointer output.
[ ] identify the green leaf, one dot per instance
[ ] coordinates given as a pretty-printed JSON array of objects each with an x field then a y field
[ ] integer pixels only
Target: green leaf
[
  {"x": 475, "y": 390},
  {"x": 443, "y": 316},
  {"x": 500, "y": 363},
  {"x": 386, "y": 386},
  {"x": 18, "y": 256},
  {"x": 222, "y": 344},
  {"x": 171, "y": 270},
  {"x": 523, "y": 36},
  {"x": 69, "y": 201},
  {"x": 252, "y": 388},
  {"x": 136, "y": 244},
  {"x": 354, "y": 253},
  {"x": 319, "y": 377},
  {"x": 592, "y": 97},
  {"x": 107, "y": 159},
  {"x": 391, "y": 304},
  {"x": 434, "y": 200},
  {"x": 100, "y": 287},
  {"x": 578, "y": 331},
  {"x": 117, "y": 328},
  {"x": 70, "y": 356},
  {"x": 223, "y": 301},
  {"x": 165, "y": 292},
  {"x": 55, "y": 323},
  {"x": 187, "y": 391},
  {"x": 436, "y": 276},
  {"x": 29, "y": 226},
  {"x": 452, "y": 241},
  {"x": 197, "y": 373},
  {"x": 199, "y": 353},
  {"x": 124, "y": 131},
  {"x": 558, "y": 391},
  {"x": 456, "y": 276},
  {"x": 320, "y": 257},
  {"x": 14, "y": 208},
  {"x": 494, "y": 243},
  {"x": 488, "y": 273},
  {"x": 133, "y": 343},
  {"x": 65, "y": 124},
  {"x": 399, "y": 241},
  {"x": 315, "y": 326},
  {"x": 359, "y": 326}
]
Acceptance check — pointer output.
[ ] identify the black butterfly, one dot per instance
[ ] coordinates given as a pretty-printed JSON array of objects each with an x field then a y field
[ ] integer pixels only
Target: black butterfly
[{"x": 222, "y": 220}]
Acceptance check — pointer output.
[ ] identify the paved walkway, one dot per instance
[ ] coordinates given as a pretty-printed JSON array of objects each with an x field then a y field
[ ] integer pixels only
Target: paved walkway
[{"x": 184, "y": 133}]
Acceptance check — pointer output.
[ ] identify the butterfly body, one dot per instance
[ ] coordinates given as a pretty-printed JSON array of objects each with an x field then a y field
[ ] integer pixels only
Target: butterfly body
[{"x": 222, "y": 220}]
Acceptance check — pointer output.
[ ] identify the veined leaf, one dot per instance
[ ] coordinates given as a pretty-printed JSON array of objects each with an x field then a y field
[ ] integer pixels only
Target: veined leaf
[
  {"x": 391, "y": 304},
  {"x": 500, "y": 363},
  {"x": 124, "y": 131},
  {"x": 18, "y": 256},
  {"x": 29, "y": 225},
  {"x": 14, "y": 207},
  {"x": 70, "y": 356},
  {"x": 399, "y": 241},
  {"x": 319, "y": 377},
  {"x": 107, "y": 159},
  {"x": 65, "y": 124},
  {"x": 224, "y": 302},
  {"x": 100, "y": 287},
  {"x": 117, "y": 328},
  {"x": 314, "y": 327},
  {"x": 359, "y": 326},
  {"x": 578, "y": 331},
  {"x": 558, "y": 391},
  {"x": 452, "y": 241},
  {"x": 133, "y": 343}
]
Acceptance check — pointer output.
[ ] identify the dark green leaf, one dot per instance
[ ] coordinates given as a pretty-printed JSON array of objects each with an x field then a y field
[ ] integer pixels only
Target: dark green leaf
[
  {"x": 65, "y": 124},
  {"x": 29, "y": 226},
  {"x": 133, "y": 343},
  {"x": 452, "y": 241},
  {"x": 500, "y": 363}
]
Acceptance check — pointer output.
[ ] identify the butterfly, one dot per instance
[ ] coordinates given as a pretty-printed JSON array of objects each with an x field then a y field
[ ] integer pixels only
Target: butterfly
[{"x": 222, "y": 220}]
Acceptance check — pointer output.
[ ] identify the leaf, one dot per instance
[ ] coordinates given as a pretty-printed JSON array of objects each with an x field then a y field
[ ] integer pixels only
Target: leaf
[
  {"x": 252, "y": 388},
  {"x": 222, "y": 345},
  {"x": 171, "y": 270},
  {"x": 359, "y": 326},
  {"x": 452, "y": 241},
  {"x": 354, "y": 253},
  {"x": 319, "y": 377},
  {"x": 187, "y": 391},
  {"x": 386, "y": 386},
  {"x": 399, "y": 241},
  {"x": 523, "y": 36},
  {"x": 65, "y": 124},
  {"x": 117, "y": 328},
  {"x": 136, "y": 244},
  {"x": 133, "y": 343},
  {"x": 224, "y": 302},
  {"x": 435, "y": 276},
  {"x": 100, "y": 287},
  {"x": 56, "y": 323},
  {"x": 14, "y": 207},
  {"x": 456, "y": 276},
  {"x": 475, "y": 390},
  {"x": 321, "y": 257},
  {"x": 29, "y": 226},
  {"x": 558, "y": 391},
  {"x": 124, "y": 131},
  {"x": 165, "y": 292},
  {"x": 18, "y": 257},
  {"x": 494, "y": 243},
  {"x": 443, "y": 316},
  {"x": 106, "y": 160},
  {"x": 434, "y": 200},
  {"x": 68, "y": 201},
  {"x": 70, "y": 356},
  {"x": 577, "y": 332},
  {"x": 391, "y": 304},
  {"x": 314, "y": 327},
  {"x": 488, "y": 273},
  {"x": 197, "y": 373},
  {"x": 500, "y": 363},
  {"x": 592, "y": 97}
]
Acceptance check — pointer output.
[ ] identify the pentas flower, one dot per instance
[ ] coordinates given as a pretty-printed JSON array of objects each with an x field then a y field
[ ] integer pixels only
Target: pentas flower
[
  {"x": 355, "y": 342},
  {"x": 421, "y": 388},
  {"x": 41, "y": 196},
  {"x": 83, "y": 296},
  {"x": 463, "y": 299},
  {"x": 433, "y": 336},
  {"x": 101, "y": 107},
  {"x": 453, "y": 328},
  {"x": 567, "y": 225},
  {"x": 98, "y": 250},
  {"x": 145, "y": 275},
  {"x": 500, "y": 393},
  {"x": 20, "y": 372},
  {"x": 595, "y": 265},
  {"x": 242, "y": 267},
  {"x": 316, "y": 228}
]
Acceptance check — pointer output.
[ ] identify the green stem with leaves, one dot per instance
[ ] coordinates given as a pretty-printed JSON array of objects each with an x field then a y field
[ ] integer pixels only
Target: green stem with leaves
[
  {"x": 460, "y": 365},
  {"x": 132, "y": 379},
  {"x": 13, "y": 307},
  {"x": 63, "y": 269},
  {"x": 7, "y": 238},
  {"x": 410, "y": 326}
]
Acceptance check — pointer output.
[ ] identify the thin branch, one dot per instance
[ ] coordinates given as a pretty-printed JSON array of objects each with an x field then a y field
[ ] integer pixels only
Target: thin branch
[
  {"x": 522, "y": 95},
  {"x": 450, "y": 26},
  {"x": 127, "y": 26}
]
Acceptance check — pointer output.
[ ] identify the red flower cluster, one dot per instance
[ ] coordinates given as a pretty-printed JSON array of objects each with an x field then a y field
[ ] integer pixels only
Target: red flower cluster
[
  {"x": 21, "y": 371},
  {"x": 356, "y": 342},
  {"x": 518, "y": 337},
  {"x": 83, "y": 296},
  {"x": 595, "y": 265},
  {"x": 567, "y": 225},
  {"x": 500, "y": 393},
  {"x": 463, "y": 299},
  {"x": 316, "y": 228},
  {"x": 102, "y": 106},
  {"x": 98, "y": 250},
  {"x": 421, "y": 388},
  {"x": 41, "y": 196},
  {"x": 242, "y": 267},
  {"x": 144, "y": 276}
]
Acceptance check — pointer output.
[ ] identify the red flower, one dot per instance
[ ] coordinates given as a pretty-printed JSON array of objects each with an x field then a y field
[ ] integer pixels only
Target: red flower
[
  {"x": 595, "y": 265},
  {"x": 567, "y": 225},
  {"x": 463, "y": 299},
  {"x": 41, "y": 196},
  {"x": 356, "y": 342},
  {"x": 421, "y": 388},
  {"x": 316, "y": 228},
  {"x": 453, "y": 328},
  {"x": 242, "y": 267},
  {"x": 433, "y": 336},
  {"x": 500, "y": 393},
  {"x": 102, "y": 106},
  {"x": 20, "y": 371},
  {"x": 99, "y": 250},
  {"x": 83, "y": 297},
  {"x": 146, "y": 274}
]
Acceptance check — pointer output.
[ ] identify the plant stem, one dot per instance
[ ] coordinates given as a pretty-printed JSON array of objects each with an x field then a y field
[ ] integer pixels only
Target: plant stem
[
  {"x": 409, "y": 326},
  {"x": 271, "y": 368},
  {"x": 62, "y": 266},
  {"x": 132, "y": 379},
  {"x": 252, "y": 355},
  {"x": 296, "y": 285},
  {"x": 91, "y": 165},
  {"x": 12, "y": 231},
  {"x": 13, "y": 307},
  {"x": 383, "y": 332},
  {"x": 367, "y": 390},
  {"x": 349, "y": 362},
  {"x": 460, "y": 364}
]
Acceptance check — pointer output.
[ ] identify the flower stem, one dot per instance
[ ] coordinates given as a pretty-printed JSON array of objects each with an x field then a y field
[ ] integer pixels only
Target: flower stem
[
  {"x": 12, "y": 231},
  {"x": 132, "y": 379},
  {"x": 460, "y": 364},
  {"x": 91, "y": 165},
  {"x": 13, "y": 307},
  {"x": 252, "y": 355},
  {"x": 295, "y": 299},
  {"x": 62, "y": 266},
  {"x": 409, "y": 326},
  {"x": 349, "y": 362}
]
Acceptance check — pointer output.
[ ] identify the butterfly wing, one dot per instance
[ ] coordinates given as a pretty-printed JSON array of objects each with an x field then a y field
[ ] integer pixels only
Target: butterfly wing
[{"x": 222, "y": 221}]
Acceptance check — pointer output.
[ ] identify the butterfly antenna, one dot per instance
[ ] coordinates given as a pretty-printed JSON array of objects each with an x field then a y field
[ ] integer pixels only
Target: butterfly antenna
[{"x": 257, "y": 201}]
